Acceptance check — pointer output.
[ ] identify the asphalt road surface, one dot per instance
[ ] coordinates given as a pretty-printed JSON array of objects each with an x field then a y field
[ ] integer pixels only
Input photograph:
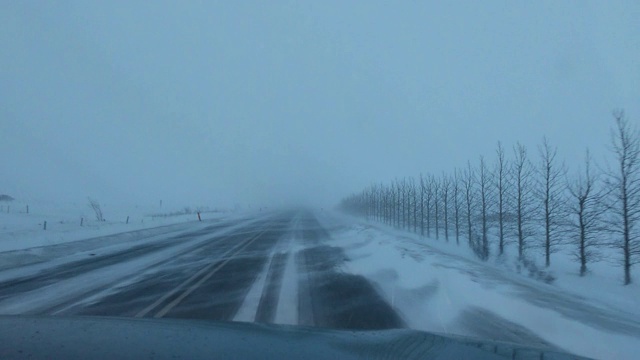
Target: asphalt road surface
[{"x": 274, "y": 268}]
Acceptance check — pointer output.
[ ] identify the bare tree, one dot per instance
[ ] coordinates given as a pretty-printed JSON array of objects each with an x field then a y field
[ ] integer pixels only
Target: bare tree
[
  {"x": 406, "y": 185},
  {"x": 430, "y": 184},
  {"x": 367, "y": 197},
  {"x": 409, "y": 203},
  {"x": 404, "y": 197},
  {"x": 391, "y": 205},
  {"x": 387, "y": 206},
  {"x": 467, "y": 183},
  {"x": 551, "y": 195},
  {"x": 436, "y": 203},
  {"x": 398, "y": 202},
  {"x": 377, "y": 202},
  {"x": 585, "y": 215},
  {"x": 524, "y": 201},
  {"x": 380, "y": 203},
  {"x": 624, "y": 186},
  {"x": 457, "y": 203},
  {"x": 501, "y": 188},
  {"x": 446, "y": 187},
  {"x": 483, "y": 188},
  {"x": 423, "y": 192},
  {"x": 414, "y": 199},
  {"x": 95, "y": 206}
]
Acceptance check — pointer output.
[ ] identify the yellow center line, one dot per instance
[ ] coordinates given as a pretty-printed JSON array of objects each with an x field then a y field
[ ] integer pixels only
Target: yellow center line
[{"x": 146, "y": 310}]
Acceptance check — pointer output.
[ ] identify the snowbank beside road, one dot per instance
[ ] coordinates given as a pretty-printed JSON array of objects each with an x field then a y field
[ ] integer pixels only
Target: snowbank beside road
[{"x": 440, "y": 287}]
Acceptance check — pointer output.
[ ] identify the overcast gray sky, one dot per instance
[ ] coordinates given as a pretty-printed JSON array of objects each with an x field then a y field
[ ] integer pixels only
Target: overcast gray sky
[{"x": 272, "y": 102}]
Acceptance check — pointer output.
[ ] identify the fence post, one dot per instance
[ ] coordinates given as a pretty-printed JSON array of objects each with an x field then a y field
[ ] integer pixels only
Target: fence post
[
  {"x": 45, "y": 225},
  {"x": 127, "y": 219},
  {"x": 27, "y": 209},
  {"x": 199, "y": 219},
  {"x": 81, "y": 221}
]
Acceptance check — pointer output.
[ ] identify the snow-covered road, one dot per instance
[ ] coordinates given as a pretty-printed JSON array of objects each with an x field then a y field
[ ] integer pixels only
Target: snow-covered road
[
  {"x": 315, "y": 269},
  {"x": 269, "y": 269}
]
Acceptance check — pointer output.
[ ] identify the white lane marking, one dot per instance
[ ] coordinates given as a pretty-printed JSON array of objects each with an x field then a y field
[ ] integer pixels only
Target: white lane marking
[
  {"x": 177, "y": 301},
  {"x": 249, "y": 308},
  {"x": 287, "y": 309},
  {"x": 146, "y": 310}
]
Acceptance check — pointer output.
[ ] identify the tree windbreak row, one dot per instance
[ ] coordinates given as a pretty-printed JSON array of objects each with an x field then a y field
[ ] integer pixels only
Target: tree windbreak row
[{"x": 524, "y": 200}]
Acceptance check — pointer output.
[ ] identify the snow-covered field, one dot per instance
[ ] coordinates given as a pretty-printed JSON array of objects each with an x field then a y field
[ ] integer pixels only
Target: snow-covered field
[
  {"x": 67, "y": 222},
  {"x": 441, "y": 287}
]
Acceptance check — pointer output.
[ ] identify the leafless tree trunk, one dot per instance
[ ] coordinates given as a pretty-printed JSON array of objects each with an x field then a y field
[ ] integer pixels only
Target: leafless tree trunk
[
  {"x": 403, "y": 192},
  {"x": 409, "y": 202},
  {"x": 392, "y": 204},
  {"x": 585, "y": 215},
  {"x": 386, "y": 213},
  {"x": 467, "y": 183},
  {"x": 436, "y": 200},
  {"x": 385, "y": 203},
  {"x": 430, "y": 183},
  {"x": 624, "y": 186},
  {"x": 406, "y": 191},
  {"x": 483, "y": 187},
  {"x": 551, "y": 195},
  {"x": 457, "y": 204},
  {"x": 423, "y": 190},
  {"x": 366, "y": 203},
  {"x": 95, "y": 206},
  {"x": 378, "y": 203},
  {"x": 446, "y": 186},
  {"x": 414, "y": 191},
  {"x": 500, "y": 178},
  {"x": 522, "y": 179},
  {"x": 430, "y": 187},
  {"x": 398, "y": 203}
]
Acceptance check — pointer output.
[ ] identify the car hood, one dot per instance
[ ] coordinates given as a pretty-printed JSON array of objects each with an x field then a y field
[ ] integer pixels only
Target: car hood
[{"x": 128, "y": 338}]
